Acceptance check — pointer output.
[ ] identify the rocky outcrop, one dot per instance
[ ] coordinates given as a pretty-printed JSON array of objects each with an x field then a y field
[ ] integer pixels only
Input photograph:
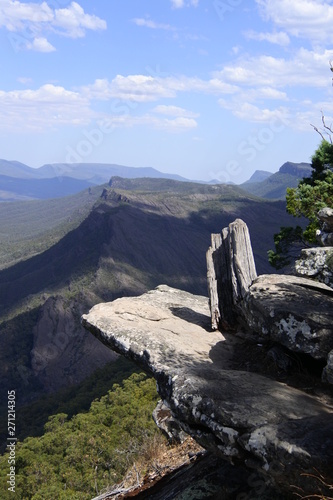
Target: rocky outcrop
[
  {"x": 316, "y": 263},
  {"x": 62, "y": 354},
  {"x": 299, "y": 170},
  {"x": 230, "y": 272},
  {"x": 239, "y": 414},
  {"x": 325, "y": 216},
  {"x": 291, "y": 311},
  {"x": 295, "y": 312}
]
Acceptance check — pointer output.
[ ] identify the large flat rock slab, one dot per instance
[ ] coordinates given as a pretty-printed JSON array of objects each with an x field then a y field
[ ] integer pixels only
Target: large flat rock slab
[{"x": 244, "y": 416}]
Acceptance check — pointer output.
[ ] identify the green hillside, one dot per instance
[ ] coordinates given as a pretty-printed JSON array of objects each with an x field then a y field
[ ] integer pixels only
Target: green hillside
[
  {"x": 80, "y": 456},
  {"x": 31, "y": 227},
  {"x": 272, "y": 188}
]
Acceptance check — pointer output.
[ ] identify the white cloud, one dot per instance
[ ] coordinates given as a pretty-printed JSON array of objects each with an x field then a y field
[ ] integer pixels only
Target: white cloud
[
  {"x": 177, "y": 4},
  {"x": 177, "y": 124},
  {"x": 48, "y": 106},
  {"x": 135, "y": 88},
  {"x": 148, "y": 23},
  {"x": 174, "y": 111},
  {"x": 31, "y": 22},
  {"x": 40, "y": 45},
  {"x": 305, "y": 69},
  {"x": 278, "y": 38},
  {"x": 143, "y": 88},
  {"x": 74, "y": 22},
  {"x": 310, "y": 19},
  {"x": 250, "y": 112},
  {"x": 14, "y": 15}
]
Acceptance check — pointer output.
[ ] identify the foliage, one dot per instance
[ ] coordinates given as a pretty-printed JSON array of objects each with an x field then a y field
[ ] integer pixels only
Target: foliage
[
  {"x": 283, "y": 241},
  {"x": 31, "y": 418},
  {"x": 31, "y": 227},
  {"x": 311, "y": 194},
  {"x": 307, "y": 199},
  {"x": 79, "y": 457}
]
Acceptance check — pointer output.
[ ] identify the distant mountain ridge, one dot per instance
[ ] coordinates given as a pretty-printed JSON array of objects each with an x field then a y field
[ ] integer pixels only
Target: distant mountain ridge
[
  {"x": 259, "y": 176},
  {"x": 20, "y": 182},
  {"x": 274, "y": 186}
]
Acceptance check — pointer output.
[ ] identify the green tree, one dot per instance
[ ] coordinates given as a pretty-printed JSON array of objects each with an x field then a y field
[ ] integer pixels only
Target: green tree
[
  {"x": 311, "y": 194},
  {"x": 79, "y": 457}
]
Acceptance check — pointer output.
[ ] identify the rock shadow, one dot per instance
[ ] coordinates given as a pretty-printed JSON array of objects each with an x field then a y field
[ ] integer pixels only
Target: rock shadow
[{"x": 193, "y": 317}]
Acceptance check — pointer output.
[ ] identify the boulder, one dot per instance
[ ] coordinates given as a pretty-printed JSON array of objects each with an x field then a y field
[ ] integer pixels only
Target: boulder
[
  {"x": 325, "y": 235},
  {"x": 316, "y": 263},
  {"x": 325, "y": 215},
  {"x": 292, "y": 311},
  {"x": 241, "y": 415},
  {"x": 165, "y": 421}
]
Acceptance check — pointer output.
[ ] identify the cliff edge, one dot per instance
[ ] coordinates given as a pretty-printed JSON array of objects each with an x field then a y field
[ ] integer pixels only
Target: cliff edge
[{"x": 232, "y": 390}]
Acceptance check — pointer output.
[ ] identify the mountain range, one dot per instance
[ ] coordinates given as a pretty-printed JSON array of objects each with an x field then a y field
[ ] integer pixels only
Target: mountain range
[
  {"x": 123, "y": 238},
  {"x": 59, "y": 256},
  {"x": 19, "y": 182},
  {"x": 274, "y": 186}
]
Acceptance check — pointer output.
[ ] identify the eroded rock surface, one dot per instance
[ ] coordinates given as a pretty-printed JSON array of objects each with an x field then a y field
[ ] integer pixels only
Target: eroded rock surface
[
  {"x": 295, "y": 312},
  {"x": 230, "y": 271},
  {"x": 316, "y": 263},
  {"x": 243, "y": 416},
  {"x": 325, "y": 236}
]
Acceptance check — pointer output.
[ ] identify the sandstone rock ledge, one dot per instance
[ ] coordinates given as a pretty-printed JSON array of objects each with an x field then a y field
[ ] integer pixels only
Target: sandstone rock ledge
[{"x": 244, "y": 416}]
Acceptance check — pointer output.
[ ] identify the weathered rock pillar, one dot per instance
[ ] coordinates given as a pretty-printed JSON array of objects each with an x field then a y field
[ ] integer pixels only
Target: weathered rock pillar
[{"x": 230, "y": 272}]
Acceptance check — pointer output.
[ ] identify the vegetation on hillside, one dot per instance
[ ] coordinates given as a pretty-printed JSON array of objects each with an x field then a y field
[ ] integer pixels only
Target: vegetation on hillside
[
  {"x": 31, "y": 227},
  {"x": 311, "y": 194},
  {"x": 78, "y": 458},
  {"x": 32, "y": 416}
]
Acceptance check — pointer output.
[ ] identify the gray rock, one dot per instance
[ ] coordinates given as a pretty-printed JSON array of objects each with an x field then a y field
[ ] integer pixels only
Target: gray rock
[
  {"x": 230, "y": 271},
  {"x": 316, "y": 263},
  {"x": 62, "y": 354},
  {"x": 292, "y": 311},
  {"x": 165, "y": 421},
  {"x": 325, "y": 235},
  {"x": 325, "y": 215},
  {"x": 243, "y": 416},
  {"x": 295, "y": 312}
]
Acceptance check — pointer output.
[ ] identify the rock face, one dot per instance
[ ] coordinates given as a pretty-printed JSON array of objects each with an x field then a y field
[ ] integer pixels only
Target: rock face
[
  {"x": 325, "y": 215},
  {"x": 230, "y": 272},
  {"x": 241, "y": 415},
  {"x": 62, "y": 355},
  {"x": 316, "y": 263},
  {"x": 295, "y": 312},
  {"x": 292, "y": 311}
]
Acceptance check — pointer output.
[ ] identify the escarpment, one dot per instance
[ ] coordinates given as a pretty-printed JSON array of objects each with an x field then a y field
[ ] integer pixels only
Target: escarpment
[{"x": 232, "y": 369}]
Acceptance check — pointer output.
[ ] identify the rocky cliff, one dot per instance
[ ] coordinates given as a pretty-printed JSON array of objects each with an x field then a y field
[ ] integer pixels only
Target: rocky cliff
[{"x": 242, "y": 392}]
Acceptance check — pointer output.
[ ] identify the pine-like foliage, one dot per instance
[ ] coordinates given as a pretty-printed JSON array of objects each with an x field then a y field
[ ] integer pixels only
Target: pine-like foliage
[
  {"x": 311, "y": 194},
  {"x": 78, "y": 458}
]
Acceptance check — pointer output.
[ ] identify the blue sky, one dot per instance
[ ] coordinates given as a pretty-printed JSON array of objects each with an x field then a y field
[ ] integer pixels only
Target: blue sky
[{"x": 207, "y": 89}]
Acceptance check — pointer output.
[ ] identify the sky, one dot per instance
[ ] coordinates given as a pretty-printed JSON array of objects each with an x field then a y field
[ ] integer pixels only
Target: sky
[{"x": 207, "y": 89}]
